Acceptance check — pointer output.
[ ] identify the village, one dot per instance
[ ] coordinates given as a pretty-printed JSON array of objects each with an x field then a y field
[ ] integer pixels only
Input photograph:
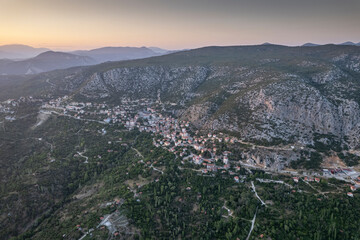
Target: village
[
  {"x": 206, "y": 153},
  {"x": 177, "y": 136}
]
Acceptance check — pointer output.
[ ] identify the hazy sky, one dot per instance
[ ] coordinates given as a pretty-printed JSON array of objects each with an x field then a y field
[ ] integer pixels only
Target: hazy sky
[{"x": 70, "y": 24}]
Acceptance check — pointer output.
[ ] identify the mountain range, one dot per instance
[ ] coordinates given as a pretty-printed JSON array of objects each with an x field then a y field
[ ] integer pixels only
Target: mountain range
[
  {"x": 120, "y": 53},
  {"x": 22, "y": 59},
  {"x": 44, "y": 62},
  {"x": 288, "y": 108},
  {"x": 344, "y": 43},
  {"x": 19, "y": 51},
  {"x": 11, "y": 62},
  {"x": 246, "y": 90}
]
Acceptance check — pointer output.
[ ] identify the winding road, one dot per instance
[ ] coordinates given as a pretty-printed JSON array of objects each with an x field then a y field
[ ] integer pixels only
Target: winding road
[
  {"x": 81, "y": 155},
  {"x": 151, "y": 166},
  {"x": 229, "y": 211},
  {"x": 254, "y": 189}
]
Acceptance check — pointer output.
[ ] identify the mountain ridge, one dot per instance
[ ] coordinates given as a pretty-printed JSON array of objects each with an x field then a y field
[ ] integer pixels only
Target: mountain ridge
[
  {"x": 44, "y": 62},
  {"x": 20, "y": 51},
  {"x": 20, "y": 58},
  {"x": 244, "y": 90},
  {"x": 105, "y": 54}
]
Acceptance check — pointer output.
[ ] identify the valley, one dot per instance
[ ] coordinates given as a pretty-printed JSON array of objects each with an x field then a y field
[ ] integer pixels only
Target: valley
[
  {"x": 156, "y": 144},
  {"x": 213, "y": 143}
]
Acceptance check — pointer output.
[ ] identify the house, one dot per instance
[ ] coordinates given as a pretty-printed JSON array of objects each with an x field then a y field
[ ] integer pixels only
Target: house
[
  {"x": 350, "y": 194},
  {"x": 207, "y": 160},
  {"x": 236, "y": 178},
  {"x": 197, "y": 160},
  {"x": 211, "y": 167},
  {"x": 225, "y": 160},
  {"x": 353, "y": 188},
  {"x": 317, "y": 179},
  {"x": 296, "y": 179},
  {"x": 197, "y": 147}
]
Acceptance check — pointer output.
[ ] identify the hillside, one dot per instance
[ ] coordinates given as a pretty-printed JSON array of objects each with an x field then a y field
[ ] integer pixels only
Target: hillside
[
  {"x": 212, "y": 143},
  {"x": 49, "y": 60},
  {"x": 107, "y": 54},
  {"x": 19, "y": 51},
  {"x": 66, "y": 173},
  {"x": 44, "y": 62},
  {"x": 262, "y": 93}
]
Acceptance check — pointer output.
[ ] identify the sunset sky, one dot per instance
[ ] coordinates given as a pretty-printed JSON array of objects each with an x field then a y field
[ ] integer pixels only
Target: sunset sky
[{"x": 84, "y": 24}]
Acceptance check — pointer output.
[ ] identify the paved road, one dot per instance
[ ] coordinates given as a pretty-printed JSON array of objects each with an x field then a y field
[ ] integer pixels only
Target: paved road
[
  {"x": 273, "y": 181},
  {"x": 286, "y": 148},
  {"x": 81, "y": 119}
]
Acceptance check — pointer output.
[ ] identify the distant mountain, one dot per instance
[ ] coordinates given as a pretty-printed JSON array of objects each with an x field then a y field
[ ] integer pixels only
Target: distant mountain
[
  {"x": 44, "y": 62},
  {"x": 120, "y": 53},
  {"x": 18, "y": 51},
  {"x": 159, "y": 50},
  {"x": 310, "y": 45},
  {"x": 348, "y": 43},
  {"x": 22, "y": 59},
  {"x": 267, "y": 44}
]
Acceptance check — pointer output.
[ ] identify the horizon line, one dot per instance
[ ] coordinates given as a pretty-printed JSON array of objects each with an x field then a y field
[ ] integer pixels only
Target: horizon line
[{"x": 73, "y": 48}]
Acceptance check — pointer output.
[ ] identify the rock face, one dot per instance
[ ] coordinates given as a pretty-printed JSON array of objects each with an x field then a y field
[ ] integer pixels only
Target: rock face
[
  {"x": 146, "y": 81},
  {"x": 262, "y": 93}
]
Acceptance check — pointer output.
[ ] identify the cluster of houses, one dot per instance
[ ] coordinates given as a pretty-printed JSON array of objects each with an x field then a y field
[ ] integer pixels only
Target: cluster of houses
[
  {"x": 170, "y": 133},
  {"x": 174, "y": 134},
  {"x": 316, "y": 179},
  {"x": 8, "y": 107},
  {"x": 176, "y": 137},
  {"x": 306, "y": 179}
]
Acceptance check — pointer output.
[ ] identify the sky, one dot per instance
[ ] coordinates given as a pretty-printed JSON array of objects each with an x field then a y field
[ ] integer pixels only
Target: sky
[{"x": 176, "y": 24}]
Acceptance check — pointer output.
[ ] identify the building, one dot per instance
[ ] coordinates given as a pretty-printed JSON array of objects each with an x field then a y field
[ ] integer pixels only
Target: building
[{"x": 236, "y": 178}]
